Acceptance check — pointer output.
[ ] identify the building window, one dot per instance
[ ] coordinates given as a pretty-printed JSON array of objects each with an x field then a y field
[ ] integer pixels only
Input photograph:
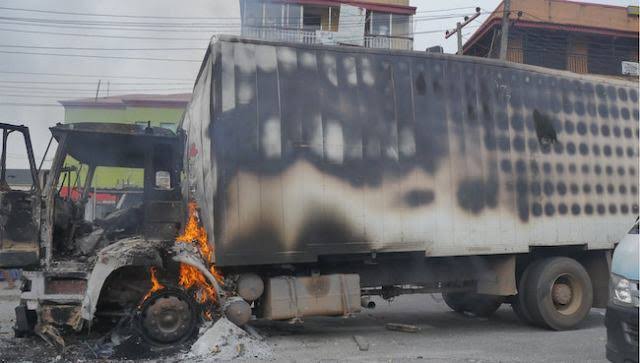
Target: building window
[
  {"x": 312, "y": 18},
  {"x": 401, "y": 25},
  {"x": 252, "y": 13},
  {"x": 380, "y": 24},
  {"x": 273, "y": 15},
  {"x": 293, "y": 16}
]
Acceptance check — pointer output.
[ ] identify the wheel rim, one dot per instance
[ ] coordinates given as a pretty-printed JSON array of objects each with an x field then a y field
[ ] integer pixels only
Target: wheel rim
[
  {"x": 167, "y": 318},
  {"x": 566, "y": 294}
]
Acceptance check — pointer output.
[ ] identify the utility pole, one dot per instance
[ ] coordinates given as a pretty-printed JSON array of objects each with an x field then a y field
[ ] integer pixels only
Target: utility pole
[
  {"x": 504, "y": 37},
  {"x": 98, "y": 90},
  {"x": 459, "y": 34},
  {"x": 458, "y": 29}
]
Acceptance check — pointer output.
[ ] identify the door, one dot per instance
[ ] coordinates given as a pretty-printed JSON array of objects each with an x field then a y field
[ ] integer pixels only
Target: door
[{"x": 19, "y": 200}]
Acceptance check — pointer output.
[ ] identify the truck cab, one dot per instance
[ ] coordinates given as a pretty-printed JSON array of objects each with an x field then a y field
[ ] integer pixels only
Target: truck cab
[{"x": 45, "y": 230}]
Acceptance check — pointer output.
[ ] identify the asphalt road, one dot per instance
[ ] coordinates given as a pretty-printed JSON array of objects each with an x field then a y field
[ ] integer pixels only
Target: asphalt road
[{"x": 444, "y": 336}]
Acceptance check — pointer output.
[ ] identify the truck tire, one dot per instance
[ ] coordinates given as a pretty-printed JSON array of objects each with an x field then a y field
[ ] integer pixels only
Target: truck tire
[
  {"x": 519, "y": 304},
  {"x": 476, "y": 304},
  {"x": 558, "y": 294}
]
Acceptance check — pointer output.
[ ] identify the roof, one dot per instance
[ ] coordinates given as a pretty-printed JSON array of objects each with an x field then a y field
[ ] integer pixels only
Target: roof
[
  {"x": 574, "y": 16},
  {"x": 176, "y": 100},
  {"x": 387, "y": 6},
  {"x": 111, "y": 144}
]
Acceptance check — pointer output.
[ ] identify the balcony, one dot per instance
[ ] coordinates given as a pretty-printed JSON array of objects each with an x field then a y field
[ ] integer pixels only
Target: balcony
[{"x": 310, "y": 37}]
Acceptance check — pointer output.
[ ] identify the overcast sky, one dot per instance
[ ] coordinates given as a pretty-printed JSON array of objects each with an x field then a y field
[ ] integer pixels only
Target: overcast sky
[{"x": 25, "y": 32}]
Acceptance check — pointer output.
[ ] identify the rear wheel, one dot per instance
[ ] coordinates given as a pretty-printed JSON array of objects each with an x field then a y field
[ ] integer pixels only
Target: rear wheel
[
  {"x": 558, "y": 294},
  {"x": 476, "y": 304},
  {"x": 519, "y": 304}
]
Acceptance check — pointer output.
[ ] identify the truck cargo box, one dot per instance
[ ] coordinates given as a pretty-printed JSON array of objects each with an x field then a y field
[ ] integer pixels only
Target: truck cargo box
[{"x": 298, "y": 151}]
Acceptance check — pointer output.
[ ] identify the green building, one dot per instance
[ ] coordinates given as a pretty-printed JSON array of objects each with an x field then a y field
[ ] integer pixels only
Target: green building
[{"x": 160, "y": 110}]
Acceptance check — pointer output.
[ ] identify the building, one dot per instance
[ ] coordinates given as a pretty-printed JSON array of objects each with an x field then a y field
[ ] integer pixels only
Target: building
[
  {"x": 575, "y": 36},
  {"x": 372, "y": 23},
  {"x": 158, "y": 110},
  {"x": 19, "y": 179}
]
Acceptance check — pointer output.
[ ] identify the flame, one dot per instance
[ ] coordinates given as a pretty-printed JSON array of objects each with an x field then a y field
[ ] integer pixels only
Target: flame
[
  {"x": 208, "y": 315},
  {"x": 191, "y": 277},
  {"x": 155, "y": 284}
]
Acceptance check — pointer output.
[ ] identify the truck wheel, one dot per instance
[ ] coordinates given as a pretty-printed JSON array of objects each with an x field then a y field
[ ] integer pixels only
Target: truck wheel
[
  {"x": 485, "y": 305},
  {"x": 168, "y": 317},
  {"x": 518, "y": 304},
  {"x": 457, "y": 301},
  {"x": 558, "y": 294},
  {"x": 476, "y": 304}
]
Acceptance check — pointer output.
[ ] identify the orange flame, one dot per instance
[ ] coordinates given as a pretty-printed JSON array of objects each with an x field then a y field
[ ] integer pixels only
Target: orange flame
[
  {"x": 155, "y": 284},
  {"x": 191, "y": 277}
]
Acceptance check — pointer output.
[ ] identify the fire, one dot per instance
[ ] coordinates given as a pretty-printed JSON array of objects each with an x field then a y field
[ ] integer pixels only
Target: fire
[
  {"x": 155, "y": 284},
  {"x": 194, "y": 232},
  {"x": 191, "y": 277}
]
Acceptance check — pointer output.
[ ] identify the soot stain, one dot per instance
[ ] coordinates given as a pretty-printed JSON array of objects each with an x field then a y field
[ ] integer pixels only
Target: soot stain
[
  {"x": 419, "y": 197},
  {"x": 476, "y": 194}
]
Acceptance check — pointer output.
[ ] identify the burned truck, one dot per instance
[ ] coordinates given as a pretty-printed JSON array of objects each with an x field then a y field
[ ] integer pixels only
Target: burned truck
[{"x": 303, "y": 180}]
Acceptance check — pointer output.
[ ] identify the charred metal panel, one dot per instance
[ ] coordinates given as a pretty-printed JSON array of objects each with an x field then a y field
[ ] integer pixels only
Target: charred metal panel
[{"x": 298, "y": 151}]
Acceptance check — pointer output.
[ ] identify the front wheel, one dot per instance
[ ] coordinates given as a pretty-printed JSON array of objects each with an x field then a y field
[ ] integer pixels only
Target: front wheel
[{"x": 558, "y": 294}]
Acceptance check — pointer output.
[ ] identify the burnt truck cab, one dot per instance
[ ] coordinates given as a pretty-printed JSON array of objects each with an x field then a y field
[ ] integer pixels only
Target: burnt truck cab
[{"x": 45, "y": 232}]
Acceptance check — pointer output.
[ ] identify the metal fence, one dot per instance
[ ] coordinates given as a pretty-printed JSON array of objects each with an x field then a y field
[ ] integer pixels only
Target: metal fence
[{"x": 309, "y": 37}]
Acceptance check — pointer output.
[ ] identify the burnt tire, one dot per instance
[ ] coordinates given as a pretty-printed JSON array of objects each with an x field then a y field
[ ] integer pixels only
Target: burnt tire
[
  {"x": 518, "y": 304},
  {"x": 457, "y": 301},
  {"x": 168, "y": 317},
  {"x": 558, "y": 294},
  {"x": 476, "y": 304}
]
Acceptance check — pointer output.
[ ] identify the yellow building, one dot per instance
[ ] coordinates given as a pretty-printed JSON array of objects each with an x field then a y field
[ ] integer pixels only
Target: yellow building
[
  {"x": 158, "y": 110},
  {"x": 575, "y": 36}
]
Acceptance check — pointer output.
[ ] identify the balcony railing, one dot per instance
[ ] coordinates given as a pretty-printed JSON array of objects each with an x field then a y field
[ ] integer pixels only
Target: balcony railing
[{"x": 309, "y": 37}]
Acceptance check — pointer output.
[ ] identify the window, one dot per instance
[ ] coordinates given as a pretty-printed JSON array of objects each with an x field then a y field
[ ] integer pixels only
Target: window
[
  {"x": 273, "y": 14},
  {"x": 380, "y": 24},
  {"x": 312, "y": 18},
  {"x": 401, "y": 25},
  {"x": 163, "y": 180},
  {"x": 293, "y": 16},
  {"x": 252, "y": 15}
]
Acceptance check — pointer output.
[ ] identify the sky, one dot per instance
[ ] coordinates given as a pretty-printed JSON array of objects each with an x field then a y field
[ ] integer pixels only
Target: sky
[{"x": 183, "y": 26}]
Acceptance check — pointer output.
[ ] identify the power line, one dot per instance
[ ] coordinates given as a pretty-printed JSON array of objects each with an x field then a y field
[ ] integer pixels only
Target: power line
[
  {"x": 129, "y": 16},
  {"x": 98, "y": 48},
  {"x": 111, "y": 83},
  {"x": 18, "y": 104},
  {"x": 103, "y": 56},
  {"x": 93, "y": 75},
  {"x": 160, "y": 26},
  {"x": 102, "y": 35},
  {"x": 92, "y": 89}
]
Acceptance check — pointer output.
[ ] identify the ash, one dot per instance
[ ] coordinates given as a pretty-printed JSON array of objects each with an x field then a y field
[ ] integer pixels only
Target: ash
[{"x": 226, "y": 341}]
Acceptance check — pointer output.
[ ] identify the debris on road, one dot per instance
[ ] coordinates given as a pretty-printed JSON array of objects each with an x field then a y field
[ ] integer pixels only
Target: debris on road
[
  {"x": 402, "y": 327},
  {"x": 226, "y": 341},
  {"x": 363, "y": 344}
]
